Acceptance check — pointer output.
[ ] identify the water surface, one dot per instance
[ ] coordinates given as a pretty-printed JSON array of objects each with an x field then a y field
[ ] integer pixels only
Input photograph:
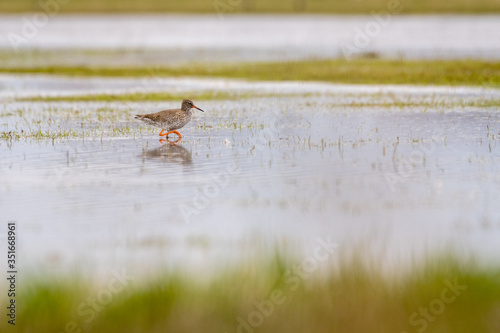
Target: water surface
[
  {"x": 171, "y": 39},
  {"x": 250, "y": 173}
]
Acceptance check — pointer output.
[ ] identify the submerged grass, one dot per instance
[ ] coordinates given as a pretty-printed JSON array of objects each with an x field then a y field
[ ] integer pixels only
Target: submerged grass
[
  {"x": 441, "y": 295},
  {"x": 257, "y": 6},
  {"x": 360, "y": 70}
]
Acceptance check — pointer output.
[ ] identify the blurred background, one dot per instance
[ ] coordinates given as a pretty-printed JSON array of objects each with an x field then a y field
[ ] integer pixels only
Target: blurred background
[
  {"x": 151, "y": 33},
  {"x": 344, "y": 176}
]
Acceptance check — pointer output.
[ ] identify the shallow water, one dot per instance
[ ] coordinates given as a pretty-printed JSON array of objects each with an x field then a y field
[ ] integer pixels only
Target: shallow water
[
  {"x": 169, "y": 39},
  {"x": 249, "y": 173},
  {"x": 15, "y": 86}
]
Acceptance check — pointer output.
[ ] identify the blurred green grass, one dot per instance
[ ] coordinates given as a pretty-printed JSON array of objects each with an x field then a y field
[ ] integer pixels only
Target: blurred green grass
[
  {"x": 360, "y": 71},
  {"x": 257, "y": 6},
  {"x": 352, "y": 296},
  {"x": 146, "y": 97},
  {"x": 219, "y": 95}
]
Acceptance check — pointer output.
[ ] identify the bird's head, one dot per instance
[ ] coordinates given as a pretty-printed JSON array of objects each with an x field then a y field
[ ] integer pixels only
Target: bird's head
[{"x": 187, "y": 105}]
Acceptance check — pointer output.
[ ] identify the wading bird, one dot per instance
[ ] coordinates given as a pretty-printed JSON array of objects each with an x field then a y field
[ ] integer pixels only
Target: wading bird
[{"x": 170, "y": 120}]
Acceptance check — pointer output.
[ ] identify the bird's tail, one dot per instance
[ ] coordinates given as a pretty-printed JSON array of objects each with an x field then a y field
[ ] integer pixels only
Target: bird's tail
[{"x": 138, "y": 116}]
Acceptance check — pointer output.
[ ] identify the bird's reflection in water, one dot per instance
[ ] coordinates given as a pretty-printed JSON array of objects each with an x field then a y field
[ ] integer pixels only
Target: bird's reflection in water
[{"x": 169, "y": 152}]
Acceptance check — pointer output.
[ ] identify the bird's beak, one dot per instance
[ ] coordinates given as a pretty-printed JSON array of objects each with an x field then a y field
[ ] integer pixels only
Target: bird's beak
[{"x": 198, "y": 108}]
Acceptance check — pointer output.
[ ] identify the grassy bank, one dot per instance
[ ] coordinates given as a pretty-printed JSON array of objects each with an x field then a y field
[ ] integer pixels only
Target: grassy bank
[
  {"x": 217, "y": 96},
  {"x": 439, "y": 296},
  {"x": 367, "y": 71},
  {"x": 256, "y": 6}
]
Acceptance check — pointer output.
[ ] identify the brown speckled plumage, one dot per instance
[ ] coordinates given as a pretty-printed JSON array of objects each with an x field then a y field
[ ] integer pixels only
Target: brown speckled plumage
[{"x": 170, "y": 120}]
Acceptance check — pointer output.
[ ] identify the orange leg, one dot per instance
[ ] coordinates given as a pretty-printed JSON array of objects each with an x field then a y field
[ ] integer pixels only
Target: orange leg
[
  {"x": 174, "y": 143},
  {"x": 175, "y": 132}
]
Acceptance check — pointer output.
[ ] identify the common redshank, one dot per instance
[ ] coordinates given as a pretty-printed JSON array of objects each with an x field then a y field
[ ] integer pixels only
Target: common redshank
[{"x": 170, "y": 120}]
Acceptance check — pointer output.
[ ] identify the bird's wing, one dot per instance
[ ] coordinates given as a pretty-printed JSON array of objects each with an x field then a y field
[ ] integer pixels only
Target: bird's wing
[{"x": 158, "y": 115}]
